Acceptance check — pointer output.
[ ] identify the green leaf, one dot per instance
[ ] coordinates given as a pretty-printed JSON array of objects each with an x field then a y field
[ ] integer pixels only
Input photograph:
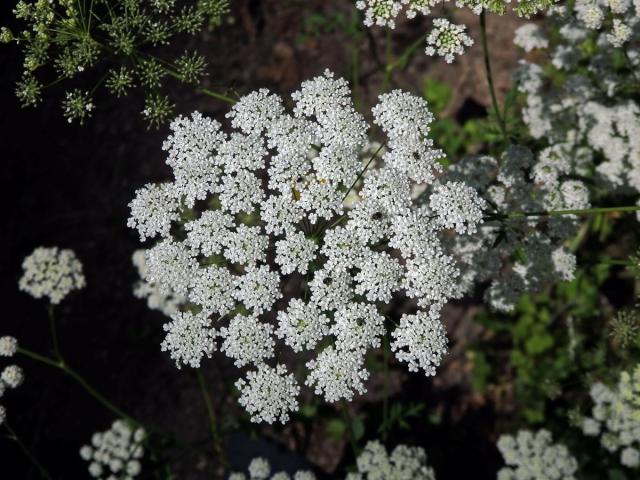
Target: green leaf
[
  {"x": 437, "y": 94},
  {"x": 336, "y": 428}
]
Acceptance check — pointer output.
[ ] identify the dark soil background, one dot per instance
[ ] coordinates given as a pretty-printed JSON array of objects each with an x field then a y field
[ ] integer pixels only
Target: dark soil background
[{"x": 68, "y": 185}]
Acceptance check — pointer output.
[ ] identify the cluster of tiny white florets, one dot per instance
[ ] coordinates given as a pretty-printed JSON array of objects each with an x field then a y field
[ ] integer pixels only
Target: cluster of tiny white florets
[
  {"x": 530, "y": 37},
  {"x": 168, "y": 303},
  {"x": 297, "y": 237},
  {"x": 52, "y": 273},
  {"x": 615, "y": 417},
  {"x": 404, "y": 463},
  {"x": 447, "y": 40},
  {"x": 11, "y": 376},
  {"x": 591, "y": 120},
  {"x": 518, "y": 182},
  {"x": 534, "y": 456},
  {"x": 260, "y": 469},
  {"x": 115, "y": 453},
  {"x": 385, "y": 12}
]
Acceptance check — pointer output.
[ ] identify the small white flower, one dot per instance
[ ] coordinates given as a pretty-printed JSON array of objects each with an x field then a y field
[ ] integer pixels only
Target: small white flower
[
  {"x": 52, "y": 273},
  {"x": 447, "y": 40},
  {"x": 153, "y": 209},
  {"x": 528, "y": 452},
  {"x": 258, "y": 289},
  {"x": 247, "y": 340},
  {"x": 421, "y": 341},
  {"x": 8, "y": 346},
  {"x": 259, "y": 469},
  {"x": 189, "y": 338},
  {"x": 269, "y": 394},
  {"x": 529, "y": 37},
  {"x": 458, "y": 206},
  {"x": 337, "y": 374},
  {"x": 295, "y": 252},
  {"x": 302, "y": 325},
  {"x": 12, "y": 376}
]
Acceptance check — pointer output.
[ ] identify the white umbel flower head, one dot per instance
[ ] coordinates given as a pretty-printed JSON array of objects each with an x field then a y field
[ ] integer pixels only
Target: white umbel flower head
[
  {"x": 269, "y": 394},
  {"x": 531, "y": 455},
  {"x": 115, "y": 453},
  {"x": 302, "y": 325},
  {"x": 615, "y": 417},
  {"x": 8, "y": 346},
  {"x": 404, "y": 463},
  {"x": 337, "y": 374},
  {"x": 189, "y": 338},
  {"x": 420, "y": 341},
  {"x": 295, "y": 204},
  {"x": 458, "y": 206},
  {"x": 295, "y": 252},
  {"x": 260, "y": 469},
  {"x": 52, "y": 273},
  {"x": 247, "y": 340},
  {"x": 153, "y": 210},
  {"x": 447, "y": 40},
  {"x": 12, "y": 376},
  {"x": 529, "y": 37}
]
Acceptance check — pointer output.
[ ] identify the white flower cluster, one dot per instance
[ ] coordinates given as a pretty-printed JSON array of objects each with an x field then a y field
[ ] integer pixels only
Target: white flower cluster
[
  {"x": 116, "y": 453},
  {"x": 533, "y": 456},
  {"x": 592, "y": 117},
  {"x": 530, "y": 36},
  {"x": 519, "y": 254},
  {"x": 167, "y": 302},
  {"x": 404, "y": 463},
  {"x": 447, "y": 40},
  {"x": 283, "y": 207},
  {"x": 615, "y": 417},
  {"x": 385, "y": 12},
  {"x": 11, "y": 376},
  {"x": 52, "y": 273},
  {"x": 260, "y": 469}
]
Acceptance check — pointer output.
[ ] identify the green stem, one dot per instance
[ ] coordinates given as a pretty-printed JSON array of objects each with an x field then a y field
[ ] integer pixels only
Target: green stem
[
  {"x": 213, "y": 421},
  {"x": 389, "y": 66},
  {"x": 217, "y": 96},
  {"x": 385, "y": 402},
  {"x": 375, "y": 154},
  {"x": 59, "y": 364},
  {"x": 487, "y": 66},
  {"x": 13, "y": 436},
  {"x": 559, "y": 213},
  {"x": 352, "y": 438},
  {"x": 54, "y": 334}
]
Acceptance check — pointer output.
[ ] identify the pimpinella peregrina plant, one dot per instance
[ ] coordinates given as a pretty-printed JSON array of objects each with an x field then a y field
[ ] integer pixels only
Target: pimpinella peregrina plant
[{"x": 74, "y": 39}]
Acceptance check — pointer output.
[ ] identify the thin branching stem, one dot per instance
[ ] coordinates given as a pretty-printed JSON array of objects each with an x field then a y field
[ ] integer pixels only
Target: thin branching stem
[
  {"x": 349, "y": 421},
  {"x": 387, "y": 387},
  {"x": 375, "y": 154},
  {"x": 487, "y": 67},
  {"x": 12, "y": 435},
  {"x": 213, "y": 420},
  {"x": 59, "y": 364},
  {"x": 54, "y": 334},
  {"x": 560, "y": 213}
]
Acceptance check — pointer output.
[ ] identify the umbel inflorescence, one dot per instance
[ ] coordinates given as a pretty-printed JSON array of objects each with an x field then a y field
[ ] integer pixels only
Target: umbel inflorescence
[
  {"x": 384, "y": 12},
  {"x": 404, "y": 462},
  {"x": 257, "y": 233},
  {"x": 615, "y": 417},
  {"x": 74, "y": 37},
  {"x": 11, "y": 376},
  {"x": 533, "y": 456},
  {"x": 115, "y": 453},
  {"x": 52, "y": 273}
]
